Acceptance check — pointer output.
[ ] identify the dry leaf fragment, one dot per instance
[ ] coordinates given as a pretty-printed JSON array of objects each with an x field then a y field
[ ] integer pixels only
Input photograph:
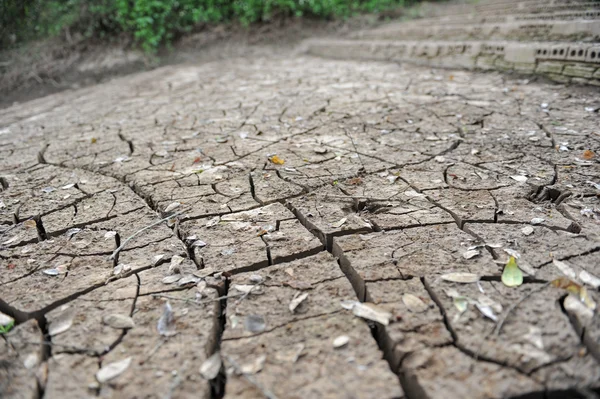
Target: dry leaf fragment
[
  {"x": 574, "y": 288},
  {"x": 339, "y": 223},
  {"x": 588, "y": 154},
  {"x": 512, "y": 275},
  {"x": 172, "y": 206},
  {"x": 166, "y": 322},
  {"x": 255, "y": 366},
  {"x": 297, "y": 301},
  {"x": 575, "y": 307},
  {"x": 210, "y": 367},
  {"x": 341, "y": 341},
  {"x": 255, "y": 323},
  {"x": 30, "y": 224},
  {"x": 276, "y": 160},
  {"x": 471, "y": 253},
  {"x": 112, "y": 370},
  {"x": 487, "y": 311},
  {"x": 414, "y": 303},
  {"x": 372, "y": 312},
  {"x": 519, "y": 178},
  {"x": 589, "y": 279},
  {"x": 460, "y": 277},
  {"x": 62, "y": 323},
  {"x": 527, "y": 230},
  {"x": 118, "y": 321},
  {"x": 564, "y": 268},
  {"x": 175, "y": 266}
]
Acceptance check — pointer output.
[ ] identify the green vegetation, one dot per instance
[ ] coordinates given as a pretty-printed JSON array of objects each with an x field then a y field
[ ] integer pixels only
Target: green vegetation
[{"x": 155, "y": 22}]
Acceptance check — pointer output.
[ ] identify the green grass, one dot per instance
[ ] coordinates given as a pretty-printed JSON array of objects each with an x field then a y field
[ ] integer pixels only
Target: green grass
[{"x": 153, "y": 23}]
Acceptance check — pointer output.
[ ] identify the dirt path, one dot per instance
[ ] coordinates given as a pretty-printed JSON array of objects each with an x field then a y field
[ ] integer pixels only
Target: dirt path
[{"x": 298, "y": 185}]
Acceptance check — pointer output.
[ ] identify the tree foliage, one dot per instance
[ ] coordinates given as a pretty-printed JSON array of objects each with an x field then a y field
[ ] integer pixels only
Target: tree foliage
[{"x": 156, "y": 22}]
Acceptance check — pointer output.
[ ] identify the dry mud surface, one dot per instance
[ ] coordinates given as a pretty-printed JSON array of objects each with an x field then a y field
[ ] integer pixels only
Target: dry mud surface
[{"x": 291, "y": 187}]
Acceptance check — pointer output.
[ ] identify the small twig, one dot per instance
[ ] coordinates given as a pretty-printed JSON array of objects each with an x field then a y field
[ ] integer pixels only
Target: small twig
[
  {"x": 153, "y": 351},
  {"x": 512, "y": 307},
  {"x": 116, "y": 251},
  {"x": 268, "y": 394}
]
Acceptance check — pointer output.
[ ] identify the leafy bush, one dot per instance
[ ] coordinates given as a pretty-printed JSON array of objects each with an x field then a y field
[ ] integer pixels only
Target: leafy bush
[{"x": 156, "y": 22}]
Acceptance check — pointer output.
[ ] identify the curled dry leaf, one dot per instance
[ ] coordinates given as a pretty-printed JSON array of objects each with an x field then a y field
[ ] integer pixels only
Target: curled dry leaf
[
  {"x": 172, "y": 206},
  {"x": 276, "y": 160},
  {"x": 297, "y": 301},
  {"x": 574, "y": 288},
  {"x": 487, "y": 311},
  {"x": 460, "y": 277},
  {"x": 575, "y": 307},
  {"x": 210, "y": 367},
  {"x": 172, "y": 279},
  {"x": 112, "y": 370},
  {"x": 30, "y": 224},
  {"x": 414, "y": 303}
]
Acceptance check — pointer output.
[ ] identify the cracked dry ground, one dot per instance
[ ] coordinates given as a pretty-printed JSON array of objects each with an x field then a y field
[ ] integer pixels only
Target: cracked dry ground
[{"x": 390, "y": 174}]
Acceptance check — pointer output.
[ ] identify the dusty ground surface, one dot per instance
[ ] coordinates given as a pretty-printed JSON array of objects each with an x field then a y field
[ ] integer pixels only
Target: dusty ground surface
[{"x": 292, "y": 187}]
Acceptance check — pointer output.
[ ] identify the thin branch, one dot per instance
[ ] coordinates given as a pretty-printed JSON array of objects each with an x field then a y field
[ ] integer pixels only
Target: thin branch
[
  {"x": 118, "y": 250},
  {"x": 512, "y": 307}
]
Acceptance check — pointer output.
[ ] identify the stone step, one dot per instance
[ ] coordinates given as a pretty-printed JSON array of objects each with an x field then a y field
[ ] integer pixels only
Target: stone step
[
  {"x": 580, "y": 30},
  {"x": 564, "y": 62}
]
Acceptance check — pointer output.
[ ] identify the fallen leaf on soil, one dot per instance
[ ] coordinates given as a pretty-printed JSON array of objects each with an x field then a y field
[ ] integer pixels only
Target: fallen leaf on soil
[
  {"x": 461, "y": 303},
  {"x": 512, "y": 275},
  {"x": 460, "y": 277},
  {"x": 574, "y": 288},
  {"x": 30, "y": 224},
  {"x": 486, "y": 311},
  {"x": 471, "y": 253},
  {"x": 573, "y": 306},
  {"x": 341, "y": 341},
  {"x": 254, "y": 367},
  {"x": 414, "y": 303},
  {"x": 175, "y": 266},
  {"x": 484, "y": 300},
  {"x": 519, "y": 178},
  {"x": 213, "y": 222},
  {"x": 564, "y": 268},
  {"x": 210, "y": 367},
  {"x": 172, "y": 206},
  {"x": 589, "y": 279},
  {"x": 339, "y": 223},
  {"x": 297, "y": 300},
  {"x": 588, "y": 154},
  {"x": 118, "y": 321},
  {"x": 166, "y": 322},
  {"x": 372, "y": 312},
  {"x": 171, "y": 279},
  {"x": 535, "y": 221},
  {"x": 276, "y": 160},
  {"x": 527, "y": 230},
  {"x": 62, "y": 323},
  {"x": 112, "y": 370}
]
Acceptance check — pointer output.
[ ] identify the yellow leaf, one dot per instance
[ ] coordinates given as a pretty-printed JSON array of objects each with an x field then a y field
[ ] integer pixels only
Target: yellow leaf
[
  {"x": 30, "y": 224},
  {"x": 512, "y": 275},
  {"x": 94, "y": 140},
  {"x": 276, "y": 160}
]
